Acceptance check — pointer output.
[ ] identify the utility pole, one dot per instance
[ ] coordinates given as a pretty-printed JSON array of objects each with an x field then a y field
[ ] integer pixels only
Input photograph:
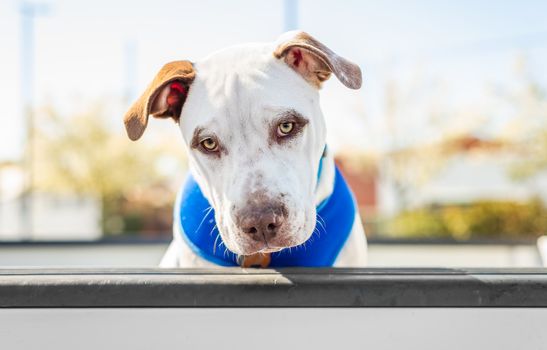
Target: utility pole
[
  {"x": 28, "y": 12},
  {"x": 291, "y": 14},
  {"x": 130, "y": 72}
]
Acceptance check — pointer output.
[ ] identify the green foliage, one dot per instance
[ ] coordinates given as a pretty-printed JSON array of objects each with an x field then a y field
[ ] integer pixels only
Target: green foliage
[
  {"x": 534, "y": 156},
  {"x": 86, "y": 155},
  {"x": 483, "y": 219}
]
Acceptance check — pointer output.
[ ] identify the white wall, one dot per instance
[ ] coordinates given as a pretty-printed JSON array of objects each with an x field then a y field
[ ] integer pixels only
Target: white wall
[
  {"x": 275, "y": 328},
  {"x": 55, "y": 217}
]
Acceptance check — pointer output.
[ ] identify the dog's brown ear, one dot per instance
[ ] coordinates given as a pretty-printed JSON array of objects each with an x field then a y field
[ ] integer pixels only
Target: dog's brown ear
[
  {"x": 314, "y": 61},
  {"x": 163, "y": 98}
]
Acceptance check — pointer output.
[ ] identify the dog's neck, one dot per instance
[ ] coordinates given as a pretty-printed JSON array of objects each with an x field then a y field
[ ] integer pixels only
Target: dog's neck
[{"x": 325, "y": 181}]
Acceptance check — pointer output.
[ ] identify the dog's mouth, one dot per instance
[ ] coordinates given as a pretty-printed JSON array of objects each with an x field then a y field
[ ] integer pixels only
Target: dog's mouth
[
  {"x": 264, "y": 251},
  {"x": 270, "y": 250},
  {"x": 266, "y": 247},
  {"x": 262, "y": 247}
]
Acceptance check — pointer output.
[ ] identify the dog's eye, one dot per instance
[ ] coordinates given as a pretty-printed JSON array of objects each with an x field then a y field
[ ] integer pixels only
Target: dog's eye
[
  {"x": 285, "y": 128},
  {"x": 209, "y": 144}
]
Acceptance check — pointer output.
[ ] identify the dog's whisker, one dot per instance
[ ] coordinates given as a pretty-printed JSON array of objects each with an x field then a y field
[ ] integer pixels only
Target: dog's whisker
[
  {"x": 316, "y": 232},
  {"x": 212, "y": 230},
  {"x": 320, "y": 226},
  {"x": 215, "y": 243},
  {"x": 320, "y": 218},
  {"x": 322, "y": 222},
  {"x": 203, "y": 220}
]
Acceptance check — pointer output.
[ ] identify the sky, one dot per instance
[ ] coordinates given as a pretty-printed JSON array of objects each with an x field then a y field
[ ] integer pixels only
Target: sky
[{"x": 448, "y": 50}]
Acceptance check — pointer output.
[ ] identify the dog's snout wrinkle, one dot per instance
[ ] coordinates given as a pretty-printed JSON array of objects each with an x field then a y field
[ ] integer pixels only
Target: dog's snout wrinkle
[{"x": 262, "y": 221}]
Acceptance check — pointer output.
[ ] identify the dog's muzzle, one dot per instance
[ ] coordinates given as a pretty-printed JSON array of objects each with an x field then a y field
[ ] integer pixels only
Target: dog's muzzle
[{"x": 262, "y": 221}]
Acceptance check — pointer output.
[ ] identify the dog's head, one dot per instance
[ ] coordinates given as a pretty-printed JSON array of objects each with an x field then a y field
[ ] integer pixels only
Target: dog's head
[{"x": 250, "y": 116}]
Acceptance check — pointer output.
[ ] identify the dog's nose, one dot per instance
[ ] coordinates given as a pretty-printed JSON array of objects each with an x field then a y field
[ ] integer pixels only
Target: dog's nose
[{"x": 262, "y": 222}]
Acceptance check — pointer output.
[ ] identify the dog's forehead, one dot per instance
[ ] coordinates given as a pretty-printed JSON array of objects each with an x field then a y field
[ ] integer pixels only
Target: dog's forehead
[{"x": 244, "y": 82}]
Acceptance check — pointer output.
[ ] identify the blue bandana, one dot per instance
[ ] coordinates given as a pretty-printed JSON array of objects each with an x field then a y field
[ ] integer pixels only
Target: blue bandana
[{"x": 196, "y": 221}]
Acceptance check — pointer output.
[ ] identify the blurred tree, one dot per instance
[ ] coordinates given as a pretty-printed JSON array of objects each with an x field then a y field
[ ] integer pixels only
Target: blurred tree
[
  {"x": 82, "y": 155},
  {"x": 528, "y": 131},
  {"x": 408, "y": 164},
  {"x": 481, "y": 219},
  {"x": 510, "y": 124}
]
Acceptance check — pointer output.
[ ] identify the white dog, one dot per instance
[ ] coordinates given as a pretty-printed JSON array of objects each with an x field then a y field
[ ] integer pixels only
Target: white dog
[{"x": 264, "y": 189}]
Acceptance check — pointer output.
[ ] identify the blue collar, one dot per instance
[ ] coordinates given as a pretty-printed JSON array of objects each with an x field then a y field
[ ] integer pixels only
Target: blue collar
[{"x": 195, "y": 219}]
